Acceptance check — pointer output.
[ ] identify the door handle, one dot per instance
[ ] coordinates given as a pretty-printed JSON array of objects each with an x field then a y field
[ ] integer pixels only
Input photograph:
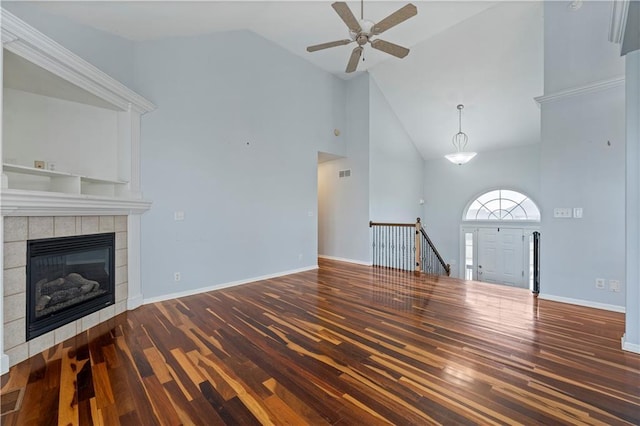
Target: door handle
[{"x": 480, "y": 266}]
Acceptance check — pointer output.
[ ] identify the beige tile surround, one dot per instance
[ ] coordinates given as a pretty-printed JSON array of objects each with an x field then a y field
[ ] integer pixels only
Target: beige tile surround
[{"x": 17, "y": 230}]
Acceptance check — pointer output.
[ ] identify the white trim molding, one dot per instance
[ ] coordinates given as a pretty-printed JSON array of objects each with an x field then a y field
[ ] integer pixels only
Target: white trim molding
[
  {"x": 628, "y": 346},
  {"x": 22, "y": 39},
  {"x": 17, "y": 202},
  {"x": 4, "y": 364},
  {"x": 581, "y": 302},
  {"x": 343, "y": 259},
  {"x": 581, "y": 90},
  {"x": 225, "y": 285},
  {"x": 619, "y": 13}
]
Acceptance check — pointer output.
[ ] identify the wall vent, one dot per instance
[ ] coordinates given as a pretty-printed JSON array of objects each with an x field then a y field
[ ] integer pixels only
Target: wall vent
[{"x": 344, "y": 173}]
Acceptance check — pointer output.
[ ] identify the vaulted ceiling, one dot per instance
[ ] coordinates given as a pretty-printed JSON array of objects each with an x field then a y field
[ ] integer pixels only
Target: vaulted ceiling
[{"x": 485, "y": 55}]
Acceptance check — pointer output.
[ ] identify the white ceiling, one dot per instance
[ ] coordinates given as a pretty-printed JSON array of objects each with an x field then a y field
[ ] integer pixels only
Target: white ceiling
[{"x": 486, "y": 55}]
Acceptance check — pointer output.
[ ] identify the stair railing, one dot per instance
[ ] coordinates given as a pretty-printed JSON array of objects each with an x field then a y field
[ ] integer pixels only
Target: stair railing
[{"x": 406, "y": 246}]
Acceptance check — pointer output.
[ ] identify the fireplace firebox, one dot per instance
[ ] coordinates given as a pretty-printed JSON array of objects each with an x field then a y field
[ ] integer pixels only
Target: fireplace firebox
[{"x": 68, "y": 278}]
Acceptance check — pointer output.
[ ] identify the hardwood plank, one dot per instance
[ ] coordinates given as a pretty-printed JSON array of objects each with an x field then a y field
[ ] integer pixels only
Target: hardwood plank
[
  {"x": 346, "y": 344},
  {"x": 68, "y": 402}
]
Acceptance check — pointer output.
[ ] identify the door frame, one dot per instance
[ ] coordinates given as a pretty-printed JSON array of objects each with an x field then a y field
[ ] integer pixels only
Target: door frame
[{"x": 528, "y": 228}]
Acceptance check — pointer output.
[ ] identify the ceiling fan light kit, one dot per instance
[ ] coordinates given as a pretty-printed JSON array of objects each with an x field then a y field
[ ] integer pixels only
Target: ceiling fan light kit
[
  {"x": 460, "y": 141},
  {"x": 363, "y": 30}
]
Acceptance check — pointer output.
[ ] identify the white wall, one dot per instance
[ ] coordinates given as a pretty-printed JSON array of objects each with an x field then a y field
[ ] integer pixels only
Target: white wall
[
  {"x": 343, "y": 222},
  {"x": 632, "y": 332},
  {"x": 449, "y": 188},
  {"x": 233, "y": 144},
  {"x": 396, "y": 167},
  {"x": 582, "y": 158}
]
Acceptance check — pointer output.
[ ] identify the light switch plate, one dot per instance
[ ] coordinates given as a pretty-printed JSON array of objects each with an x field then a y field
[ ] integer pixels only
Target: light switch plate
[
  {"x": 562, "y": 212},
  {"x": 577, "y": 212}
]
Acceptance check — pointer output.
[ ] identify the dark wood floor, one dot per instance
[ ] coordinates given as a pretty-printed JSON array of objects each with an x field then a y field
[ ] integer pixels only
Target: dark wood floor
[{"x": 346, "y": 344}]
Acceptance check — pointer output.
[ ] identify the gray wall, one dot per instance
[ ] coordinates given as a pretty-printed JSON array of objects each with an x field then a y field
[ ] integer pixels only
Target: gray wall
[
  {"x": 396, "y": 182},
  {"x": 582, "y": 158},
  {"x": 386, "y": 180},
  {"x": 233, "y": 144},
  {"x": 632, "y": 335},
  {"x": 343, "y": 229},
  {"x": 577, "y": 50},
  {"x": 111, "y": 54},
  {"x": 449, "y": 188}
]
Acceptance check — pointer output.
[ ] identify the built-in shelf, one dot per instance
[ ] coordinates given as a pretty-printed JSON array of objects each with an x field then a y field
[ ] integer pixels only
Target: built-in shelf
[
  {"x": 65, "y": 182},
  {"x": 55, "y": 173}
]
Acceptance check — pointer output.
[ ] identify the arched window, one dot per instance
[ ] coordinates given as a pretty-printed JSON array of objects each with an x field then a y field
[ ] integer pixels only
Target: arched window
[{"x": 503, "y": 204}]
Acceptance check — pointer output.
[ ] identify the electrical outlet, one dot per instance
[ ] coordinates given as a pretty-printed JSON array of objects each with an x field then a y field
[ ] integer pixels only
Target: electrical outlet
[
  {"x": 176, "y": 276},
  {"x": 600, "y": 283},
  {"x": 614, "y": 285},
  {"x": 178, "y": 215}
]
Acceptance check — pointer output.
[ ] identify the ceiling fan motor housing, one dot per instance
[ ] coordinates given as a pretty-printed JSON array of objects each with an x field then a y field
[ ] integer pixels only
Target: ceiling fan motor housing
[{"x": 362, "y": 37}]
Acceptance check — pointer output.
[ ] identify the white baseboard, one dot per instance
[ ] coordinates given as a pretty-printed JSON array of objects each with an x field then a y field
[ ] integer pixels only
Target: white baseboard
[
  {"x": 628, "y": 346},
  {"x": 580, "y": 302},
  {"x": 342, "y": 259},
  {"x": 225, "y": 285},
  {"x": 4, "y": 364},
  {"x": 134, "y": 302}
]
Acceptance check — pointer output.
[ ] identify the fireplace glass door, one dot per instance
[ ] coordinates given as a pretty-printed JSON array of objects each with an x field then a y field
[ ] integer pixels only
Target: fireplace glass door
[{"x": 69, "y": 278}]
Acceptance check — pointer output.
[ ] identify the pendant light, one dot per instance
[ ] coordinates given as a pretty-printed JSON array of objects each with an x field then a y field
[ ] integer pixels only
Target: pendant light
[{"x": 459, "y": 141}]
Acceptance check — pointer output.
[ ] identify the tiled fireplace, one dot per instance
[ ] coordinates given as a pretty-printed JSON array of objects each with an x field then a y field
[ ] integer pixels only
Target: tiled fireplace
[{"x": 17, "y": 232}]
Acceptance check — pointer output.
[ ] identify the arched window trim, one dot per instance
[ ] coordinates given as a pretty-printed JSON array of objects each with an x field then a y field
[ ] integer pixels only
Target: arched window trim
[{"x": 493, "y": 216}]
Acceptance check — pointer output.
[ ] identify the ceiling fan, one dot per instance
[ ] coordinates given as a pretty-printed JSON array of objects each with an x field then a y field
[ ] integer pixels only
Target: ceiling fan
[{"x": 362, "y": 32}]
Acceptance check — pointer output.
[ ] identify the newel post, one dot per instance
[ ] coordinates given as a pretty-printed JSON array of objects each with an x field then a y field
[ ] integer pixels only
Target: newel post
[{"x": 417, "y": 242}]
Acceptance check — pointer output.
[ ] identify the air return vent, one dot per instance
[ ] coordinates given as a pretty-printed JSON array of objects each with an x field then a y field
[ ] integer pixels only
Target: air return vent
[{"x": 344, "y": 173}]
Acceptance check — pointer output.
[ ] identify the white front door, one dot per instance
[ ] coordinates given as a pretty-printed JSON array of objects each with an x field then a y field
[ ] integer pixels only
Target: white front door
[{"x": 500, "y": 256}]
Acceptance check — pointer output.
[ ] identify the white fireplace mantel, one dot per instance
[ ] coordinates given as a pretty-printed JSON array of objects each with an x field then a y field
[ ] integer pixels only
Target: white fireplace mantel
[{"x": 37, "y": 203}]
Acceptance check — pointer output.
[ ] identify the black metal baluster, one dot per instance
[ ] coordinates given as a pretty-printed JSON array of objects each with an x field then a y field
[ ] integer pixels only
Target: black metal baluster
[
  {"x": 536, "y": 262},
  {"x": 395, "y": 257}
]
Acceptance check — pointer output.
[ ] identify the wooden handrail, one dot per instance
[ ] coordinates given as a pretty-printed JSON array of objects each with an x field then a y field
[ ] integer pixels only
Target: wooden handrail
[
  {"x": 408, "y": 225},
  {"x": 446, "y": 266}
]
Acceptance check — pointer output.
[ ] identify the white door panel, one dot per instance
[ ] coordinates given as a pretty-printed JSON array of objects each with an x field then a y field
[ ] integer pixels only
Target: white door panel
[{"x": 500, "y": 256}]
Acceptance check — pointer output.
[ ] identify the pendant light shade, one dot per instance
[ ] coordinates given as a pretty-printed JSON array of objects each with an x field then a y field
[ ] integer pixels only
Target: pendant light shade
[{"x": 460, "y": 141}]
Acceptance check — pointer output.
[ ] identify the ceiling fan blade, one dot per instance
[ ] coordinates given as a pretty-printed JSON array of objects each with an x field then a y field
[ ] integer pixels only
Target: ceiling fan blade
[
  {"x": 346, "y": 15},
  {"x": 328, "y": 45},
  {"x": 390, "y": 48},
  {"x": 354, "y": 59},
  {"x": 395, "y": 18}
]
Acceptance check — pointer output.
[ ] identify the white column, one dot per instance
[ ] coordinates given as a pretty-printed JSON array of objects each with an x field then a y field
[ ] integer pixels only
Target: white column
[
  {"x": 4, "y": 359},
  {"x": 134, "y": 298},
  {"x": 132, "y": 162},
  {"x": 631, "y": 338}
]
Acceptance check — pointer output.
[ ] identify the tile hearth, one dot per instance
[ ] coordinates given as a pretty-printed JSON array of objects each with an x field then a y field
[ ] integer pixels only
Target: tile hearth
[{"x": 19, "y": 229}]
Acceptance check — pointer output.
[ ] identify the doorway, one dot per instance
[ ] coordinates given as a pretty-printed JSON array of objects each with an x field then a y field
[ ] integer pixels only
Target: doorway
[
  {"x": 497, "y": 238},
  {"x": 498, "y": 254}
]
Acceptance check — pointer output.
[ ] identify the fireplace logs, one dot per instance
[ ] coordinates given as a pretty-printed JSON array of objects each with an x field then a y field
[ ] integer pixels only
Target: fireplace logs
[{"x": 64, "y": 291}]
